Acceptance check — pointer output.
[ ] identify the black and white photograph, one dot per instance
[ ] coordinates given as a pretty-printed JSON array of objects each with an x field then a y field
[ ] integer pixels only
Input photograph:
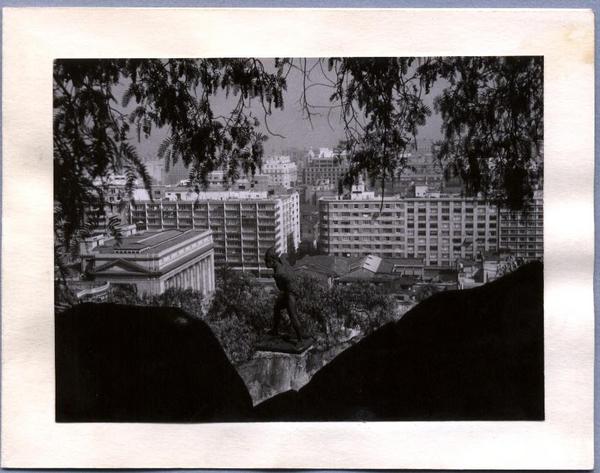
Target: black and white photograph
[{"x": 299, "y": 239}]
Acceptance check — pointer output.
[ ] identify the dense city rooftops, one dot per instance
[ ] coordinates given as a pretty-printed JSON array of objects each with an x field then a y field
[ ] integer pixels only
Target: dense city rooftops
[{"x": 342, "y": 266}]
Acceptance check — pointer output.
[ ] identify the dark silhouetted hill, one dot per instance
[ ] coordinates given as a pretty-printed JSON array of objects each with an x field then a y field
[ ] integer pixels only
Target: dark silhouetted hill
[
  {"x": 117, "y": 363},
  {"x": 463, "y": 355}
]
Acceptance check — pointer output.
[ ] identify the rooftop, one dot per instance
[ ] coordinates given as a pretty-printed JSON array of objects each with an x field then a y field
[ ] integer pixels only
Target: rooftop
[
  {"x": 359, "y": 268},
  {"x": 149, "y": 242},
  {"x": 185, "y": 195},
  {"x": 332, "y": 265},
  {"x": 374, "y": 197}
]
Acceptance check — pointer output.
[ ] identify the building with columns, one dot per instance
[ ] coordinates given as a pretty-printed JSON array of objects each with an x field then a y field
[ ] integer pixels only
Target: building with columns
[{"x": 155, "y": 261}]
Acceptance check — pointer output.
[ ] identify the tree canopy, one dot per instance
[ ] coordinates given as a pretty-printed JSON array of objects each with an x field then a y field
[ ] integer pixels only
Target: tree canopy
[
  {"x": 491, "y": 110},
  {"x": 493, "y": 123},
  {"x": 92, "y": 130}
]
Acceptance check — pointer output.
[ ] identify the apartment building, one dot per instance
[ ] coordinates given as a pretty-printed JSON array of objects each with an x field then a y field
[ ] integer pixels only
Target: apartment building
[
  {"x": 281, "y": 170},
  {"x": 522, "y": 232},
  {"x": 324, "y": 167},
  {"x": 244, "y": 224},
  {"x": 438, "y": 229},
  {"x": 421, "y": 169}
]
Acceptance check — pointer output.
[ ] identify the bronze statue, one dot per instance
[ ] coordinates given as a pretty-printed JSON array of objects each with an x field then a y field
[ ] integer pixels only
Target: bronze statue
[{"x": 284, "y": 279}]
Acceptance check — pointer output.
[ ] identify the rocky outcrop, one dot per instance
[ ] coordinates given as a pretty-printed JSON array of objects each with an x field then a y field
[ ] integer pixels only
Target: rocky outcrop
[
  {"x": 271, "y": 373},
  {"x": 464, "y": 355},
  {"x": 117, "y": 363}
]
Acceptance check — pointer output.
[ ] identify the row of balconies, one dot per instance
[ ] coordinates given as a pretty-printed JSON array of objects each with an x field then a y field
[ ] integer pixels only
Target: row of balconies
[{"x": 417, "y": 251}]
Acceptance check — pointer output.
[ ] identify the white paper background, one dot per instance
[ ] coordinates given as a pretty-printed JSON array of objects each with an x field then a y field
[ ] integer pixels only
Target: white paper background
[{"x": 32, "y": 38}]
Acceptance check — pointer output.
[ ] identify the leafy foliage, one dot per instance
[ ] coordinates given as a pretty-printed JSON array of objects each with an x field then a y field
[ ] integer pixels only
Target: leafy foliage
[
  {"x": 330, "y": 312},
  {"x": 312, "y": 301},
  {"x": 240, "y": 310},
  {"x": 381, "y": 109},
  {"x": 492, "y": 113},
  {"x": 236, "y": 337},
  {"x": 240, "y": 295},
  {"x": 491, "y": 110},
  {"x": 125, "y": 294},
  {"x": 176, "y": 93},
  {"x": 186, "y": 299},
  {"x": 92, "y": 129},
  {"x": 363, "y": 306},
  {"x": 90, "y": 140},
  {"x": 425, "y": 291}
]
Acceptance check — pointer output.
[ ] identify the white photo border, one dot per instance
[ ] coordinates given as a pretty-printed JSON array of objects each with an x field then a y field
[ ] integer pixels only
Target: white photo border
[{"x": 34, "y": 37}]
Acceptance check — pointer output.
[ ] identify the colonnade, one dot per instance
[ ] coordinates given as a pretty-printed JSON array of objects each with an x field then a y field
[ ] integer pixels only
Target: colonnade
[{"x": 199, "y": 277}]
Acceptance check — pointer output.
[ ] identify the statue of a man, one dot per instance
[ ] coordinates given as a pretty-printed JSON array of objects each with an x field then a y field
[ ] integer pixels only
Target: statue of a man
[{"x": 284, "y": 279}]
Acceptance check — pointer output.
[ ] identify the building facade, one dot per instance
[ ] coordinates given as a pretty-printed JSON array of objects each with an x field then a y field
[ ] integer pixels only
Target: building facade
[
  {"x": 218, "y": 180},
  {"x": 419, "y": 169},
  {"x": 522, "y": 232},
  {"x": 324, "y": 167},
  {"x": 281, "y": 171},
  {"x": 155, "y": 261},
  {"x": 244, "y": 224},
  {"x": 437, "y": 228}
]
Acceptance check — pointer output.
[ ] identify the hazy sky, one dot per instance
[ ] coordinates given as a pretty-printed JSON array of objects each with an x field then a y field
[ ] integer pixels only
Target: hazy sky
[{"x": 290, "y": 122}]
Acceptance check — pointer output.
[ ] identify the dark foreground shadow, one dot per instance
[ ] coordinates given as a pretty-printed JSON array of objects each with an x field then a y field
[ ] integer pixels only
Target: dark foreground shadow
[
  {"x": 118, "y": 363},
  {"x": 465, "y": 355}
]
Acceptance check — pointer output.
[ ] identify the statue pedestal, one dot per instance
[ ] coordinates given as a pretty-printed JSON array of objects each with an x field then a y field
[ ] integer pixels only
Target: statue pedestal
[{"x": 283, "y": 344}]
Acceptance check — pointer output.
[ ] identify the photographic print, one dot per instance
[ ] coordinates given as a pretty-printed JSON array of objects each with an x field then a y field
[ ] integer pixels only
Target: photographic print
[{"x": 299, "y": 239}]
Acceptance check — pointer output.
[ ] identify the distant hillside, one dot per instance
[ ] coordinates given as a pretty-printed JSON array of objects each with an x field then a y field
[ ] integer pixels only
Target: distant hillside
[{"x": 464, "y": 355}]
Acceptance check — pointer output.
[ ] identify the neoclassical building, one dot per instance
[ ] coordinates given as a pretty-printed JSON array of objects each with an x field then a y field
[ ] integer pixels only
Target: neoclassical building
[{"x": 156, "y": 260}]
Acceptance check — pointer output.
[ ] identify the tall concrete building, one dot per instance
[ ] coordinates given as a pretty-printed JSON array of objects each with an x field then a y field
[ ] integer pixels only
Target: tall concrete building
[
  {"x": 155, "y": 169},
  {"x": 324, "y": 166},
  {"x": 281, "y": 170},
  {"x": 297, "y": 155},
  {"x": 522, "y": 232},
  {"x": 244, "y": 224},
  {"x": 422, "y": 169},
  {"x": 438, "y": 228}
]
